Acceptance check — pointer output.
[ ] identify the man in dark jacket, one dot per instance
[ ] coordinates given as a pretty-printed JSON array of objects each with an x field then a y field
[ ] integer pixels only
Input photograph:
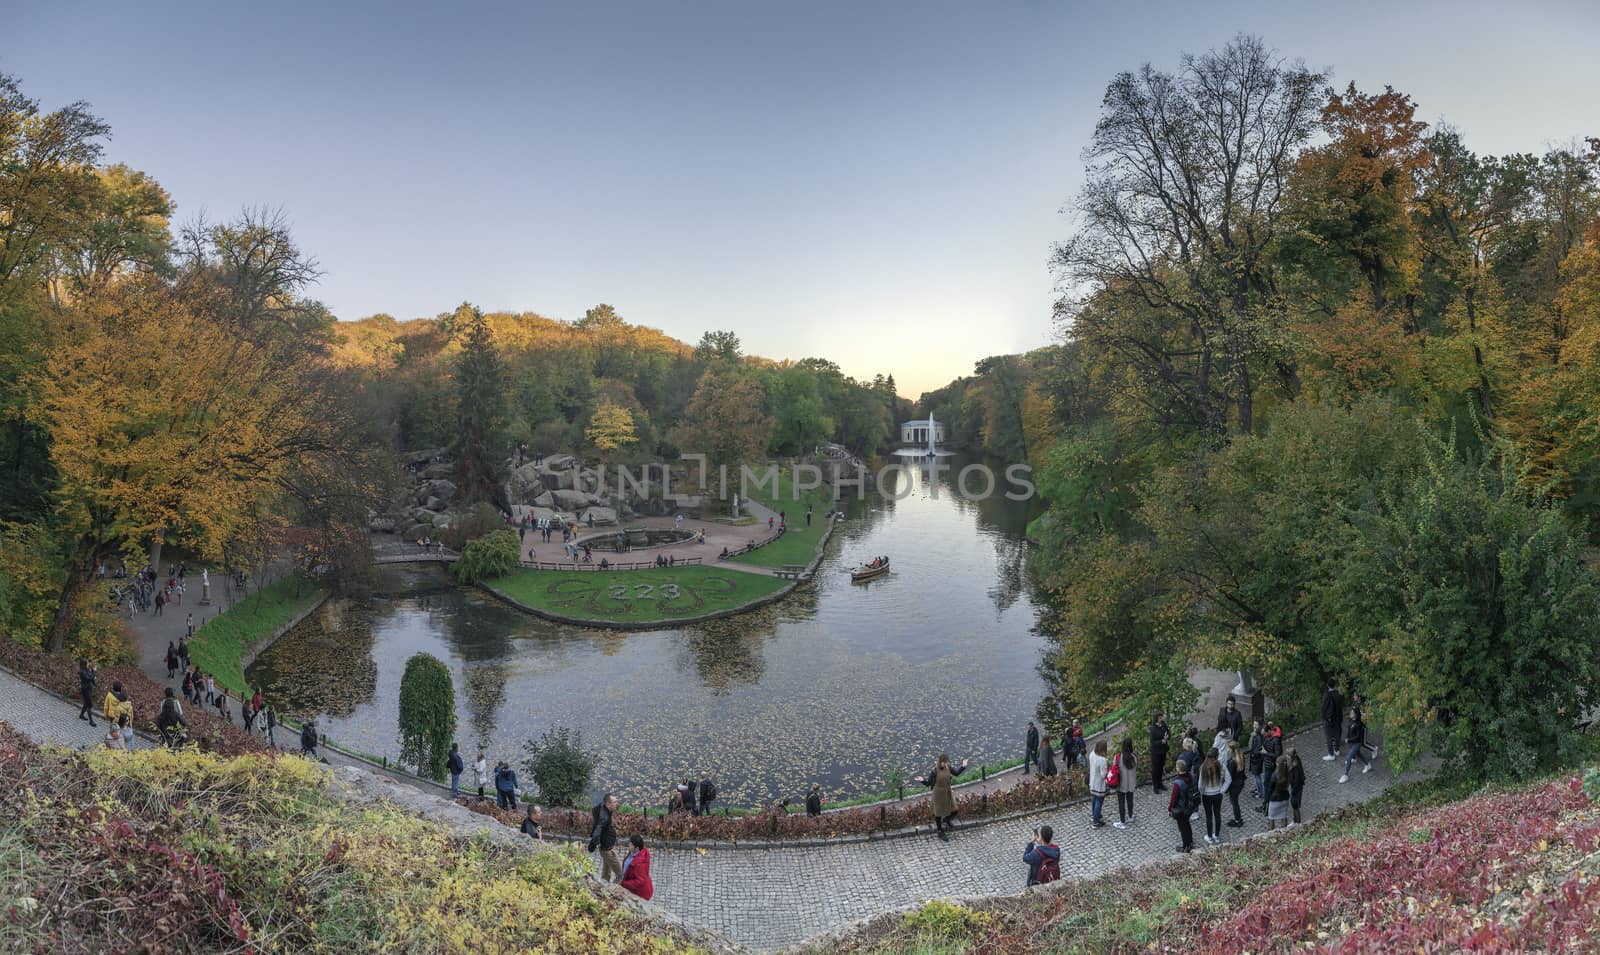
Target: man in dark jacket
[
  {"x": 505, "y": 786},
  {"x": 86, "y": 681},
  {"x": 1160, "y": 739},
  {"x": 814, "y": 801},
  {"x": 708, "y": 792},
  {"x": 1030, "y": 753},
  {"x": 1271, "y": 749},
  {"x": 1332, "y": 718},
  {"x": 1258, "y": 739},
  {"x": 308, "y": 739},
  {"x": 603, "y": 837},
  {"x": 1231, "y": 719},
  {"x": 457, "y": 766}
]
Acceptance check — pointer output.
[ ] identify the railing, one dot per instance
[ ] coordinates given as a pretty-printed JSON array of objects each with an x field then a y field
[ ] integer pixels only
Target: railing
[{"x": 611, "y": 564}]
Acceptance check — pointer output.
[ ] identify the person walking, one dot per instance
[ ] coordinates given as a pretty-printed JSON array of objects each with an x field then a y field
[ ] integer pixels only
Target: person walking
[
  {"x": 308, "y": 739},
  {"x": 457, "y": 766},
  {"x": 1097, "y": 785},
  {"x": 480, "y": 769},
  {"x": 944, "y": 802},
  {"x": 1181, "y": 804},
  {"x": 1043, "y": 857},
  {"x": 87, "y": 677},
  {"x": 814, "y": 800},
  {"x": 1047, "y": 757},
  {"x": 1127, "y": 782},
  {"x": 1332, "y": 713},
  {"x": 505, "y": 785},
  {"x": 1297, "y": 784},
  {"x": 1236, "y": 776},
  {"x": 1278, "y": 795},
  {"x": 170, "y": 717},
  {"x": 1073, "y": 748},
  {"x": 272, "y": 726},
  {"x": 172, "y": 660},
  {"x": 1356, "y": 737},
  {"x": 603, "y": 838},
  {"x": 708, "y": 793},
  {"x": 1030, "y": 751},
  {"x": 1214, "y": 781},
  {"x": 636, "y": 869},
  {"x": 1160, "y": 739},
  {"x": 1230, "y": 719}
]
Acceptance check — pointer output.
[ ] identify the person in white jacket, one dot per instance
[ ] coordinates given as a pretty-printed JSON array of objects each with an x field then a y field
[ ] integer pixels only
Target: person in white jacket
[
  {"x": 1097, "y": 784},
  {"x": 481, "y": 770},
  {"x": 1214, "y": 780}
]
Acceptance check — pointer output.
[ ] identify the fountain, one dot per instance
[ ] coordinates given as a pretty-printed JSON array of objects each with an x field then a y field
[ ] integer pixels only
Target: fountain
[{"x": 909, "y": 431}]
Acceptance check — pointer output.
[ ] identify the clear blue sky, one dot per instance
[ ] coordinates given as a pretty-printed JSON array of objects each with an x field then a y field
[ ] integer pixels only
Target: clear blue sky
[{"x": 876, "y": 183}]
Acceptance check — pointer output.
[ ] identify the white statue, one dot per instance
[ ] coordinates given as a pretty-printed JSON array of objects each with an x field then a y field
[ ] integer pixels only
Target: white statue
[
  {"x": 735, "y": 503},
  {"x": 205, "y": 576}
]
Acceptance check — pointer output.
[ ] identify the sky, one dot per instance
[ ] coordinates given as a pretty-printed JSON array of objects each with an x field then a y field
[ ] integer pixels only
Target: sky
[{"x": 876, "y": 183}]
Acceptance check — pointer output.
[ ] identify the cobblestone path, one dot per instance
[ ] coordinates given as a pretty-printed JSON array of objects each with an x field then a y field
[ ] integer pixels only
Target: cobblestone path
[{"x": 771, "y": 899}]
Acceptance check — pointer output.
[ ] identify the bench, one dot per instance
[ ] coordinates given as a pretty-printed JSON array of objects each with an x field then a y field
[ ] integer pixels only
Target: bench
[{"x": 792, "y": 571}]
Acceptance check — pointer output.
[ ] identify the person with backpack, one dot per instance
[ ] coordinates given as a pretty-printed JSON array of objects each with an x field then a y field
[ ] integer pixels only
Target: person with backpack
[
  {"x": 1030, "y": 751},
  {"x": 170, "y": 717},
  {"x": 708, "y": 793},
  {"x": 814, "y": 800},
  {"x": 1332, "y": 711},
  {"x": 1043, "y": 857},
  {"x": 457, "y": 766},
  {"x": 1236, "y": 774},
  {"x": 1123, "y": 776},
  {"x": 1356, "y": 737},
  {"x": 1073, "y": 748},
  {"x": 1183, "y": 802},
  {"x": 944, "y": 802},
  {"x": 87, "y": 677},
  {"x": 1297, "y": 784},
  {"x": 1214, "y": 781},
  {"x": 1098, "y": 787},
  {"x": 1160, "y": 739}
]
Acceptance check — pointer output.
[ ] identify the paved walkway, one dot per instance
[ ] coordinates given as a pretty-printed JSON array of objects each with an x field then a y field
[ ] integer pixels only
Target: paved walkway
[{"x": 772, "y": 899}]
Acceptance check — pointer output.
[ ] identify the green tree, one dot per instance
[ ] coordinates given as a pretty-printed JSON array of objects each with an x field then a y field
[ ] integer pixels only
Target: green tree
[
  {"x": 724, "y": 420},
  {"x": 480, "y": 403},
  {"x": 495, "y": 554},
  {"x": 718, "y": 346},
  {"x": 427, "y": 715},
  {"x": 560, "y": 766}
]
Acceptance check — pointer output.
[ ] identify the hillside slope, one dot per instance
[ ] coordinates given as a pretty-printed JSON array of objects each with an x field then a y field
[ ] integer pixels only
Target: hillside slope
[
  {"x": 106, "y": 851},
  {"x": 1496, "y": 871}
]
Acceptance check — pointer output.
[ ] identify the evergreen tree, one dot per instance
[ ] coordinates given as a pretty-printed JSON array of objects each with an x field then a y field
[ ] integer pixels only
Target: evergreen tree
[{"x": 480, "y": 403}]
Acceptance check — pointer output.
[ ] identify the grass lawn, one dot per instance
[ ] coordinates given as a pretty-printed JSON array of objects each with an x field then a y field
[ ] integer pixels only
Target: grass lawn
[
  {"x": 636, "y": 596},
  {"x": 798, "y": 545},
  {"x": 218, "y": 647}
]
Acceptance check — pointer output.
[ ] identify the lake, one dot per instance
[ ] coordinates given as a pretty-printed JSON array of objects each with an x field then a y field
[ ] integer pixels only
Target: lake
[{"x": 838, "y": 683}]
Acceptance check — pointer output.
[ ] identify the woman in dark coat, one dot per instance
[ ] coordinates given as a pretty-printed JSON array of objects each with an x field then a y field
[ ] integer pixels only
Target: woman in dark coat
[
  {"x": 944, "y": 801},
  {"x": 1047, "y": 758}
]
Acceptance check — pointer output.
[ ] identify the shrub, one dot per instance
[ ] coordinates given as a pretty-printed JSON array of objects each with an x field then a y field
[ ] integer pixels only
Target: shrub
[
  {"x": 941, "y": 921},
  {"x": 427, "y": 714},
  {"x": 495, "y": 554},
  {"x": 560, "y": 766}
]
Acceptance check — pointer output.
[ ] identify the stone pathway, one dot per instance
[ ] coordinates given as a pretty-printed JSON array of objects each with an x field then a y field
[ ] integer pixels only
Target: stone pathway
[{"x": 772, "y": 899}]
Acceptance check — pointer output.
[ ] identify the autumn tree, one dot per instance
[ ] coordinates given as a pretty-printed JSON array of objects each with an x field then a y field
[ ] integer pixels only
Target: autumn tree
[
  {"x": 724, "y": 420},
  {"x": 610, "y": 427},
  {"x": 480, "y": 403}
]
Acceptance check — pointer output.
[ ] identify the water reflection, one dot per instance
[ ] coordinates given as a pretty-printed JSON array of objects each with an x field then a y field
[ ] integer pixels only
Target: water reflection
[{"x": 834, "y": 684}]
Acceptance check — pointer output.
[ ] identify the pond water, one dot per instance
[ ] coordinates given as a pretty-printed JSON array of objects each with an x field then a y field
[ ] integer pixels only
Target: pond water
[{"x": 838, "y": 683}]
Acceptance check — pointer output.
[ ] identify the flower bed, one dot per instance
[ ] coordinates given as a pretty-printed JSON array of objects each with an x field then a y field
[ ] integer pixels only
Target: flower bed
[
  {"x": 58, "y": 673},
  {"x": 683, "y": 827}
]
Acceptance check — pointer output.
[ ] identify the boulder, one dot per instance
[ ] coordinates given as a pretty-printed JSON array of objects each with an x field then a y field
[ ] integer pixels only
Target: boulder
[
  {"x": 545, "y": 499},
  {"x": 444, "y": 520},
  {"x": 524, "y": 483},
  {"x": 381, "y": 525},
  {"x": 569, "y": 500},
  {"x": 559, "y": 462},
  {"x": 601, "y": 515},
  {"x": 415, "y": 458},
  {"x": 422, "y": 515},
  {"x": 439, "y": 469},
  {"x": 442, "y": 489},
  {"x": 558, "y": 479},
  {"x": 433, "y": 504}
]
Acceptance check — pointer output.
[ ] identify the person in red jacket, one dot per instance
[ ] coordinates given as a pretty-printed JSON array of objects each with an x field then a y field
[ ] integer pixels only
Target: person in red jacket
[{"x": 636, "y": 870}]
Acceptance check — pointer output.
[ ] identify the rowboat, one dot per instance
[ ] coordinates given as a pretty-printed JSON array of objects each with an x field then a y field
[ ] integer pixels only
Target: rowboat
[{"x": 870, "y": 571}]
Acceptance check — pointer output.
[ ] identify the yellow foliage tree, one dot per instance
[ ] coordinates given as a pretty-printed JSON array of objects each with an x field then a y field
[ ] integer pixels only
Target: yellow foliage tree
[
  {"x": 610, "y": 427},
  {"x": 166, "y": 422}
]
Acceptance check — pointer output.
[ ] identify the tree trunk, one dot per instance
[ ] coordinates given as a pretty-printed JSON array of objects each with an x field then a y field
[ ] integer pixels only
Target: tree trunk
[
  {"x": 155, "y": 553},
  {"x": 66, "y": 610}
]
